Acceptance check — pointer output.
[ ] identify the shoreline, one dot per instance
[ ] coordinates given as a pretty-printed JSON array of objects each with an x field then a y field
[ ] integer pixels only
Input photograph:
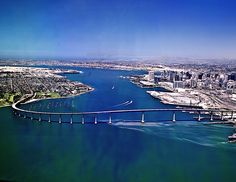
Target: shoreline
[
  {"x": 41, "y": 99},
  {"x": 64, "y": 97},
  {"x": 177, "y": 103},
  {"x": 3, "y": 106},
  {"x": 54, "y": 80},
  {"x": 161, "y": 96}
]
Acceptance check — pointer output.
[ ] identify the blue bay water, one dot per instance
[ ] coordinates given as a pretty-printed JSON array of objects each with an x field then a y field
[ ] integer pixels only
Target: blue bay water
[{"x": 124, "y": 151}]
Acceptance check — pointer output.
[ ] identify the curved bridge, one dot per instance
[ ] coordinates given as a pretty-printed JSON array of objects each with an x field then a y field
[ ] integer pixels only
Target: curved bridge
[{"x": 221, "y": 115}]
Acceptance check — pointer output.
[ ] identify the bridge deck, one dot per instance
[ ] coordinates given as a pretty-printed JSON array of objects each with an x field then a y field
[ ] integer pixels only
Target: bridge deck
[{"x": 219, "y": 112}]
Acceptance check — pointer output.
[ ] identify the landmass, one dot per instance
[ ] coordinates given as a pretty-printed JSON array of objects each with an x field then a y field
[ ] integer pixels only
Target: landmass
[
  {"x": 16, "y": 82},
  {"x": 208, "y": 85},
  {"x": 205, "y": 86},
  {"x": 197, "y": 86}
]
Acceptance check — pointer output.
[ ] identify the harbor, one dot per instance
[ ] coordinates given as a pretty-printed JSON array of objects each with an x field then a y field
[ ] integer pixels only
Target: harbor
[{"x": 27, "y": 137}]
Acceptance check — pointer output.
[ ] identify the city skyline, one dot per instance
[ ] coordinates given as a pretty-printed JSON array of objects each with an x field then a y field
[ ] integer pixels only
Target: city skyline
[{"x": 71, "y": 29}]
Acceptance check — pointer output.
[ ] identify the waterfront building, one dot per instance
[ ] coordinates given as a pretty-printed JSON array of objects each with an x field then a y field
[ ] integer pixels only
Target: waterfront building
[
  {"x": 172, "y": 76},
  {"x": 178, "y": 84},
  {"x": 200, "y": 76},
  {"x": 193, "y": 83},
  {"x": 151, "y": 76},
  {"x": 188, "y": 75},
  {"x": 156, "y": 80},
  {"x": 232, "y": 76},
  {"x": 231, "y": 86}
]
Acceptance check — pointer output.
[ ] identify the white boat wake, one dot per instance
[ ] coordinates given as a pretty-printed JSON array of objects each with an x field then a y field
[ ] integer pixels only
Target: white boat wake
[
  {"x": 124, "y": 103},
  {"x": 213, "y": 137}
]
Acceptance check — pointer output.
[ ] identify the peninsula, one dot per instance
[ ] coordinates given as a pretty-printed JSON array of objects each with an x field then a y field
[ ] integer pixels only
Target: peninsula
[{"x": 43, "y": 82}]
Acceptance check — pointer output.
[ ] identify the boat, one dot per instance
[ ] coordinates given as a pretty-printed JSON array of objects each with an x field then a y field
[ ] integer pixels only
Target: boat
[{"x": 232, "y": 138}]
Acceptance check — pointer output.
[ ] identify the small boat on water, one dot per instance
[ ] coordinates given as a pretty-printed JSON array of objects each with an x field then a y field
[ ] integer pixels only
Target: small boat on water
[
  {"x": 113, "y": 87},
  {"x": 232, "y": 138}
]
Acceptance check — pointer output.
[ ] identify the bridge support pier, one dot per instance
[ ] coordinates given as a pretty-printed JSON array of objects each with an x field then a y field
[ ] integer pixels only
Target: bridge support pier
[
  {"x": 82, "y": 120},
  {"x": 49, "y": 118},
  {"x": 222, "y": 117},
  {"x": 71, "y": 119},
  {"x": 95, "y": 120},
  {"x": 60, "y": 118},
  {"x": 142, "y": 120},
  {"x": 174, "y": 117},
  {"x": 199, "y": 116},
  {"x": 110, "y": 120},
  {"x": 212, "y": 116}
]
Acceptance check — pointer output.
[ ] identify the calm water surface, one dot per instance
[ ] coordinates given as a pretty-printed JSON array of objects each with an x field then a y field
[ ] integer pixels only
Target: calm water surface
[{"x": 123, "y": 151}]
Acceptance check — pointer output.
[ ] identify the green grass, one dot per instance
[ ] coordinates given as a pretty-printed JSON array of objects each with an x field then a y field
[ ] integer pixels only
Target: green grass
[
  {"x": 11, "y": 98},
  {"x": 8, "y": 99},
  {"x": 3, "y": 103},
  {"x": 48, "y": 95},
  {"x": 54, "y": 95}
]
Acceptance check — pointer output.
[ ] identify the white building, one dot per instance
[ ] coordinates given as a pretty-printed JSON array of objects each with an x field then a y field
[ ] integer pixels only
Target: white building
[{"x": 151, "y": 76}]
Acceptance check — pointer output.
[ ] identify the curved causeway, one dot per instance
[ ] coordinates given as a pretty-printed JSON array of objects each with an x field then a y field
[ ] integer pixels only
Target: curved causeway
[{"x": 225, "y": 116}]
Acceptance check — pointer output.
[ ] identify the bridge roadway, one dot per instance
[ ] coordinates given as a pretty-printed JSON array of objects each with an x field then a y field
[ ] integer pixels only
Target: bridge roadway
[{"x": 221, "y": 114}]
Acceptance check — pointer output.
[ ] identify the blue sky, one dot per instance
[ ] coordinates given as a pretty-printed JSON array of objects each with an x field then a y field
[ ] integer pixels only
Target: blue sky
[{"x": 121, "y": 28}]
